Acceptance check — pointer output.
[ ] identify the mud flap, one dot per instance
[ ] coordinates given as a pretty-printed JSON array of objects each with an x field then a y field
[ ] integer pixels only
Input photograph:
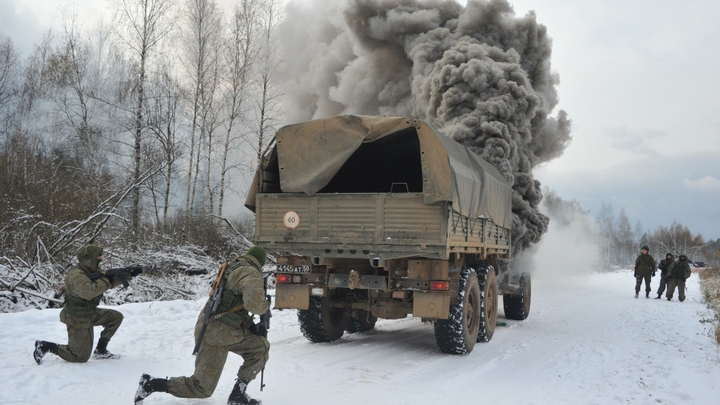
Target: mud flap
[
  {"x": 434, "y": 305},
  {"x": 294, "y": 296}
]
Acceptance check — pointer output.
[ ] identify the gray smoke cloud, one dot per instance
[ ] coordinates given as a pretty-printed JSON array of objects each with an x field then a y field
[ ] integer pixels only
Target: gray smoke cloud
[{"x": 477, "y": 73}]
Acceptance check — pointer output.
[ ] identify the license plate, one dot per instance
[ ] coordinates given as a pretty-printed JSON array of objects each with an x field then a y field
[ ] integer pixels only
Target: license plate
[{"x": 286, "y": 268}]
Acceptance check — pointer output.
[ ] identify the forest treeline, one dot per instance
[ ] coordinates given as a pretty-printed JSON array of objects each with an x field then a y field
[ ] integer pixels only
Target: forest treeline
[
  {"x": 610, "y": 239},
  {"x": 148, "y": 125}
]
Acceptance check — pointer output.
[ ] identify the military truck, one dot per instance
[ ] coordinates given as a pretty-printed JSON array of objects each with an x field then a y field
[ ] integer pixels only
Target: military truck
[{"x": 381, "y": 217}]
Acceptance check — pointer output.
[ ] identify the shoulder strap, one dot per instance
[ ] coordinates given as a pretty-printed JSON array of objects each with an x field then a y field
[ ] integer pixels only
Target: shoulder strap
[{"x": 231, "y": 310}]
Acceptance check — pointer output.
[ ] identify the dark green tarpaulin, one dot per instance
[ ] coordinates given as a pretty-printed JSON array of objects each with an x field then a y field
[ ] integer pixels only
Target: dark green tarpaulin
[{"x": 311, "y": 153}]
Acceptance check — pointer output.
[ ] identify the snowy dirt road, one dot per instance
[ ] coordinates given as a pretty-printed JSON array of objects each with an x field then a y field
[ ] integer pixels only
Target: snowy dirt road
[{"x": 587, "y": 341}]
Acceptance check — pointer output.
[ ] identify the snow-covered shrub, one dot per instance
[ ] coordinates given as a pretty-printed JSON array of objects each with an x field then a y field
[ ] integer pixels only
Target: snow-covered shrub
[{"x": 710, "y": 284}]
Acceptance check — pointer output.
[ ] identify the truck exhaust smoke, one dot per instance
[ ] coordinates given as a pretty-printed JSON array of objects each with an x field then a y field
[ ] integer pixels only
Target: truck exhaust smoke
[{"x": 479, "y": 74}]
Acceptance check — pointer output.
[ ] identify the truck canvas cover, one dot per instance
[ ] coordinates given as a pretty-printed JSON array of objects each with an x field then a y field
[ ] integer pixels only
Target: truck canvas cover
[{"x": 310, "y": 155}]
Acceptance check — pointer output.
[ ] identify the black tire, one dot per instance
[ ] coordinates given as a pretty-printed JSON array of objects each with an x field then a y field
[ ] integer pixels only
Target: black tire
[
  {"x": 489, "y": 303},
  {"x": 517, "y": 306},
  {"x": 320, "y": 323},
  {"x": 364, "y": 322},
  {"x": 458, "y": 333}
]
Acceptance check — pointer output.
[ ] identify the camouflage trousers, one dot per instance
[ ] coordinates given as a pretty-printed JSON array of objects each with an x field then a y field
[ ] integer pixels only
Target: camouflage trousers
[
  {"x": 211, "y": 359},
  {"x": 80, "y": 335},
  {"x": 680, "y": 284},
  {"x": 663, "y": 284},
  {"x": 638, "y": 283}
]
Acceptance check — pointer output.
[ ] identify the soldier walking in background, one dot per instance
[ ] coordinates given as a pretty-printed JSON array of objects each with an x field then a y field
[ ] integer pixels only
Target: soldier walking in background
[
  {"x": 678, "y": 272},
  {"x": 644, "y": 269},
  {"x": 664, "y": 266},
  {"x": 232, "y": 331},
  {"x": 80, "y": 312}
]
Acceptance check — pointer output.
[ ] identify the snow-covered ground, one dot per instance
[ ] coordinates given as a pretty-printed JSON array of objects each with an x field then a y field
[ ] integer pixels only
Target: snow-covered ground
[{"x": 587, "y": 341}]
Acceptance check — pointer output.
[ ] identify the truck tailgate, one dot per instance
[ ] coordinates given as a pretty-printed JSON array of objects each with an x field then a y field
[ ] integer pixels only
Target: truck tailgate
[{"x": 361, "y": 221}]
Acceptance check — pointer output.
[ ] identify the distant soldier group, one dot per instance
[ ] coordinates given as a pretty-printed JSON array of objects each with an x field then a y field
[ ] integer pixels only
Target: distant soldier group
[
  {"x": 672, "y": 274},
  {"x": 231, "y": 329}
]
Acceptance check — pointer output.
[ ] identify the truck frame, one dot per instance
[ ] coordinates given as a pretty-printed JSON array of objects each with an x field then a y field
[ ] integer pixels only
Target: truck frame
[{"x": 381, "y": 217}]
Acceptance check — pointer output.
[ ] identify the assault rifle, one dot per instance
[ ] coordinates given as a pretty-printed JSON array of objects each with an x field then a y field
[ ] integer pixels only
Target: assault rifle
[
  {"x": 121, "y": 273},
  {"x": 213, "y": 304}
]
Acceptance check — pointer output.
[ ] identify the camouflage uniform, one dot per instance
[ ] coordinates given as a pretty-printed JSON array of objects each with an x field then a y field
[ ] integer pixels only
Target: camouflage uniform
[
  {"x": 664, "y": 266},
  {"x": 644, "y": 270},
  {"x": 80, "y": 312},
  {"x": 678, "y": 272},
  {"x": 229, "y": 333}
]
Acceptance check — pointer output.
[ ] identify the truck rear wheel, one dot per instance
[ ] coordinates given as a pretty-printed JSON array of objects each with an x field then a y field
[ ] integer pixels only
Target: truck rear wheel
[
  {"x": 489, "y": 303},
  {"x": 362, "y": 323},
  {"x": 320, "y": 322},
  {"x": 517, "y": 306},
  {"x": 458, "y": 333}
]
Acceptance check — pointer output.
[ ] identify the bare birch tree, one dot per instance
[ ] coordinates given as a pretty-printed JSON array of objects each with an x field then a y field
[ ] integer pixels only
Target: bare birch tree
[
  {"x": 625, "y": 237},
  {"x": 240, "y": 52},
  {"x": 162, "y": 119},
  {"x": 201, "y": 41},
  {"x": 607, "y": 229},
  {"x": 269, "y": 60},
  {"x": 71, "y": 72},
  {"x": 8, "y": 73},
  {"x": 142, "y": 24}
]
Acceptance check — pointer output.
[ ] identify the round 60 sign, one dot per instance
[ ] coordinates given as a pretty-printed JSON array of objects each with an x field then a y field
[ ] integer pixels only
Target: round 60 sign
[{"x": 291, "y": 220}]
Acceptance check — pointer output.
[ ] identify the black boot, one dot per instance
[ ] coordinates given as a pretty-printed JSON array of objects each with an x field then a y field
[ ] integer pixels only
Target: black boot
[
  {"x": 42, "y": 348},
  {"x": 659, "y": 296},
  {"x": 238, "y": 395},
  {"x": 148, "y": 385},
  {"x": 637, "y": 293},
  {"x": 101, "y": 352},
  {"x": 647, "y": 294}
]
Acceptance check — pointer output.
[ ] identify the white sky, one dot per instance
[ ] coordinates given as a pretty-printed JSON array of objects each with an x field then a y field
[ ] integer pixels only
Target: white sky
[{"x": 638, "y": 79}]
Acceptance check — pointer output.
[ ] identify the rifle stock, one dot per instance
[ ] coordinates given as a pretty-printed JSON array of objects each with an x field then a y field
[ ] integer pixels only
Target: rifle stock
[{"x": 212, "y": 305}]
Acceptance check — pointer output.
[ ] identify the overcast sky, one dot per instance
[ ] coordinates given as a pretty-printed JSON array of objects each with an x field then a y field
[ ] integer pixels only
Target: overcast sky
[{"x": 638, "y": 78}]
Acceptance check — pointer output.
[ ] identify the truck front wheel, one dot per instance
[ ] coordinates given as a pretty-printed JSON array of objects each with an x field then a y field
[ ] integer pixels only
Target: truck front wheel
[
  {"x": 517, "y": 306},
  {"x": 489, "y": 306},
  {"x": 458, "y": 333},
  {"x": 320, "y": 322}
]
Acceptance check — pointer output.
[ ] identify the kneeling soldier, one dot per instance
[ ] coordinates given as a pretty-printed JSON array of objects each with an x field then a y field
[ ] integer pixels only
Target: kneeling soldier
[
  {"x": 80, "y": 313},
  {"x": 232, "y": 331}
]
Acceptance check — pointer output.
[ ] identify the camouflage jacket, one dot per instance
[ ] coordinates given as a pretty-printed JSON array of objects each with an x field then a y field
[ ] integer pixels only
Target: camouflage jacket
[
  {"x": 82, "y": 295},
  {"x": 244, "y": 286},
  {"x": 664, "y": 266},
  {"x": 644, "y": 265},
  {"x": 679, "y": 270}
]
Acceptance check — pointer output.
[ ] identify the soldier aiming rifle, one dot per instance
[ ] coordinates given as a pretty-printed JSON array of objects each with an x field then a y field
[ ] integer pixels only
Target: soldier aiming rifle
[{"x": 85, "y": 285}]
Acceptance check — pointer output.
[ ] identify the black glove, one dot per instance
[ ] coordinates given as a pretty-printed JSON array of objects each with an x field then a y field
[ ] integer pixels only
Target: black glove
[
  {"x": 258, "y": 329},
  {"x": 635, "y": 274},
  {"x": 110, "y": 277},
  {"x": 134, "y": 271}
]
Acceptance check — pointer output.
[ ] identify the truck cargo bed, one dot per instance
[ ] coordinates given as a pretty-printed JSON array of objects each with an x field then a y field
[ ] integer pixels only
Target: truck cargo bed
[{"x": 386, "y": 225}]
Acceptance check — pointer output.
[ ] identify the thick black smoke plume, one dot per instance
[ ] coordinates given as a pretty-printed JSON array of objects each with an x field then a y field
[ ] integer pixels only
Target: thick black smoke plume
[{"x": 478, "y": 74}]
